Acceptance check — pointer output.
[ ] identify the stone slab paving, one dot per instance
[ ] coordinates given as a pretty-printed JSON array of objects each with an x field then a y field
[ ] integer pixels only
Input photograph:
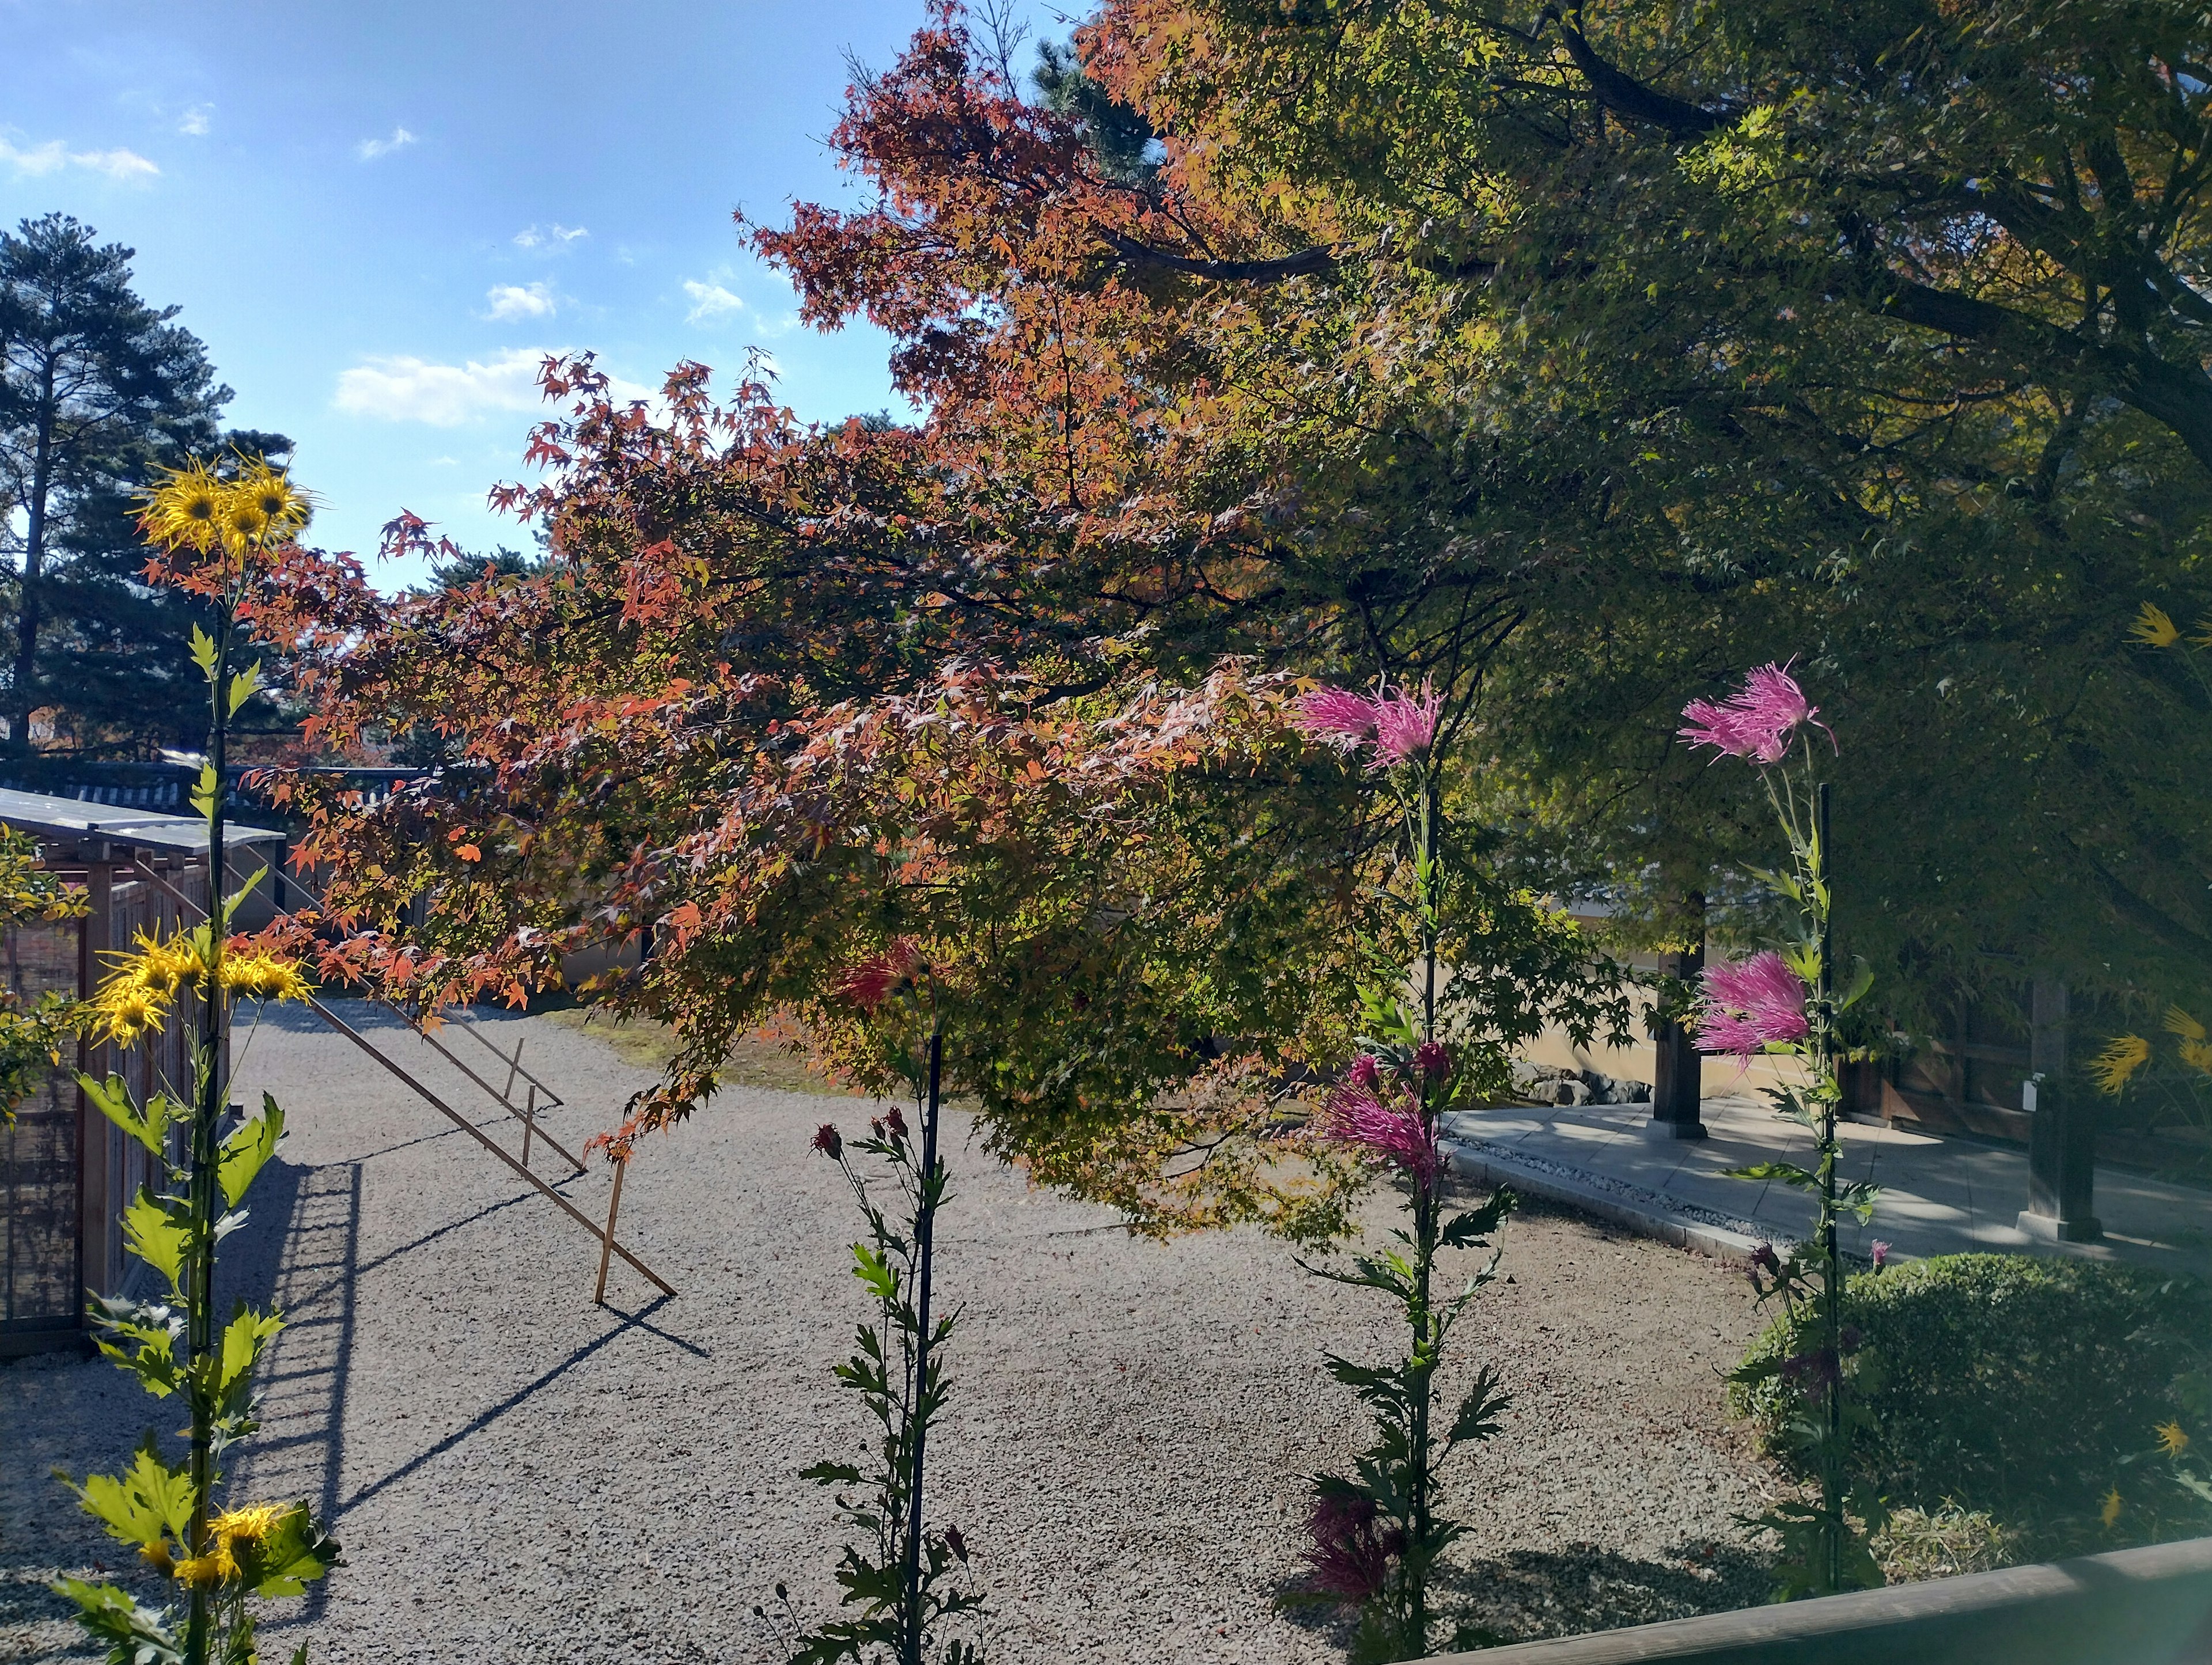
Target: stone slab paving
[{"x": 1939, "y": 1196}]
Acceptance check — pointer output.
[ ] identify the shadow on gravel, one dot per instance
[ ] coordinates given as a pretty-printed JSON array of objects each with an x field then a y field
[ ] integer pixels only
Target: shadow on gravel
[
  {"x": 484, "y": 1419},
  {"x": 1527, "y": 1595}
]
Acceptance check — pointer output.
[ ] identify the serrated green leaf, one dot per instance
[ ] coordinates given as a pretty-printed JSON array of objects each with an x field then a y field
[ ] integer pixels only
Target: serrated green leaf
[
  {"x": 872, "y": 1269},
  {"x": 1861, "y": 980},
  {"x": 147, "y": 1500},
  {"x": 243, "y": 1338},
  {"x": 203, "y": 651},
  {"x": 1789, "y": 1173},
  {"x": 1479, "y": 1412},
  {"x": 249, "y": 1145},
  {"x": 149, "y": 1128},
  {"x": 142, "y": 1338},
  {"x": 244, "y": 686},
  {"x": 156, "y": 1230},
  {"x": 232, "y": 902},
  {"x": 136, "y": 1635},
  {"x": 282, "y": 1560}
]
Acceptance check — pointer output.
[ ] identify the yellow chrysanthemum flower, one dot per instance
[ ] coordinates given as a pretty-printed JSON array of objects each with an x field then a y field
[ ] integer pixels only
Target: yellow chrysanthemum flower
[
  {"x": 2153, "y": 628},
  {"x": 185, "y": 511},
  {"x": 205, "y": 1572},
  {"x": 2172, "y": 1440},
  {"x": 264, "y": 977},
  {"x": 2178, "y": 1022},
  {"x": 2111, "y": 1512},
  {"x": 2197, "y": 1055},
  {"x": 283, "y": 508},
  {"x": 244, "y": 526},
  {"x": 251, "y": 1523},
  {"x": 122, "y": 1011},
  {"x": 157, "y": 1555},
  {"x": 2115, "y": 1066}
]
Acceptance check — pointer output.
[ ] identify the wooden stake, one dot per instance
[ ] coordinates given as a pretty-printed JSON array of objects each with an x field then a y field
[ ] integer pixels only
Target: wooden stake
[
  {"x": 529, "y": 1123},
  {"x": 469, "y": 1128},
  {"x": 607, "y": 1243}
]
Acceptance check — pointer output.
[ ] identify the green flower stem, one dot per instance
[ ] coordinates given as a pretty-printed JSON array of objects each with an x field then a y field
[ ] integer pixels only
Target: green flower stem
[
  {"x": 925, "y": 1224},
  {"x": 207, "y": 1116},
  {"x": 1831, "y": 1276},
  {"x": 1426, "y": 1342}
]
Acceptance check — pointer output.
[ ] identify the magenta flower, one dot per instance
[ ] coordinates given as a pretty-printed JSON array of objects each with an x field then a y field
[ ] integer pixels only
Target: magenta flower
[
  {"x": 1748, "y": 1006},
  {"x": 1406, "y": 726},
  {"x": 1431, "y": 1061},
  {"x": 1881, "y": 1254},
  {"x": 1396, "y": 1133},
  {"x": 1716, "y": 725},
  {"x": 1350, "y": 1555},
  {"x": 897, "y": 969},
  {"x": 1365, "y": 1073},
  {"x": 828, "y": 1140},
  {"x": 1398, "y": 726},
  {"x": 1757, "y": 720},
  {"x": 1335, "y": 714}
]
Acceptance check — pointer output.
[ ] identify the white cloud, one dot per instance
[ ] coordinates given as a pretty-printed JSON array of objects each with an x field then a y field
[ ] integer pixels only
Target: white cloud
[
  {"x": 407, "y": 389},
  {"x": 194, "y": 123},
  {"x": 513, "y": 301},
  {"x": 532, "y": 236},
  {"x": 53, "y": 155},
  {"x": 402, "y": 388},
  {"x": 710, "y": 303},
  {"x": 369, "y": 149}
]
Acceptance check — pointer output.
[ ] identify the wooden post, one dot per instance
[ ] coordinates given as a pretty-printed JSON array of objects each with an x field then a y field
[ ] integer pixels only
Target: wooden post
[
  {"x": 529, "y": 1121},
  {"x": 99, "y": 1266},
  {"x": 607, "y": 1243},
  {"x": 2061, "y": 1137},
  {"x": 1678, "y": 1068}
]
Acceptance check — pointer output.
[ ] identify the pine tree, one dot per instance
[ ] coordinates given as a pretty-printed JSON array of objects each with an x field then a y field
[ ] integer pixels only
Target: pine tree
[{"x": 98, "y": 391}]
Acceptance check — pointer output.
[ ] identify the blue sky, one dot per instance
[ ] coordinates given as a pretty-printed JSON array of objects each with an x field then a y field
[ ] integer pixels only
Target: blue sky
[{"x": 378, "y": 217}]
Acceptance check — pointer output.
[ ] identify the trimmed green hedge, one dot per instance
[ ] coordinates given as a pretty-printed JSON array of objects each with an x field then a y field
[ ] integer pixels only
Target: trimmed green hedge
[{"x": 2010, "y": 1383}]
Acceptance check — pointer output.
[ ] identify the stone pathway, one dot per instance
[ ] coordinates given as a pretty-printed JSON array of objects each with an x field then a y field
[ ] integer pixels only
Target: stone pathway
[{"x": 1939, "y": 1196}]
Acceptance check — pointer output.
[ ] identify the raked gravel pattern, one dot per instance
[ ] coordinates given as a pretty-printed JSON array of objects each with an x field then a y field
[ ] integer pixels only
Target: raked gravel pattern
[{"x": 517, "y": 1476}]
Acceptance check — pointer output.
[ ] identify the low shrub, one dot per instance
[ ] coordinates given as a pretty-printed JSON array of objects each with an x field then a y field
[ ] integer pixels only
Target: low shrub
[{"x": 2009, "y": 1385}]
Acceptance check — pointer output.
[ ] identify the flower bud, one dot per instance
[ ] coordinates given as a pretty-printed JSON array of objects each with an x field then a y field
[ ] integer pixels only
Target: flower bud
[
  {"x": 1430, "y": 1062},
  {"x": 829, "y": 1141}
]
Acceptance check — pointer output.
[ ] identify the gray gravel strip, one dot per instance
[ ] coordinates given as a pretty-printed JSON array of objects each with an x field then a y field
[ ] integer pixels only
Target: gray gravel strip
[
  {"x": 1647, "y": 1212},
  {"x": 517, "y": 1476}
]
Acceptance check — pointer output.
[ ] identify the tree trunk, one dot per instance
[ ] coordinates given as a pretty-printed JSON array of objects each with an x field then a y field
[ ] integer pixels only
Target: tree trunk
[{"x": 29, "y": 612}]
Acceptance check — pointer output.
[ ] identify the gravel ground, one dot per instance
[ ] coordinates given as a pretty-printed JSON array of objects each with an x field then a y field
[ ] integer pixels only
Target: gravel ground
[{"x": 519, "y": 1476}]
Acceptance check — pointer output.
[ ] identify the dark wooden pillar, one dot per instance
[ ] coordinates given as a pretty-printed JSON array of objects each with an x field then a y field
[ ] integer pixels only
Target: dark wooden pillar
[
  {"x": 2062, "y": 1143},
  {"x": 1678, "y": 1068},
  {"x": 100, "y": 1168}
]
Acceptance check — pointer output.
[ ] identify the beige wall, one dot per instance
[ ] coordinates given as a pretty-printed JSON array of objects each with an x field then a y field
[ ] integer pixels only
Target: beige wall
[{"x": 1638, "y": 1062}]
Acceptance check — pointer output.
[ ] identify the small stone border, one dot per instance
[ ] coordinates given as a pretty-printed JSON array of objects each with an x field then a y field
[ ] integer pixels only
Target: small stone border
[{"x": 1647, "y": 1213}]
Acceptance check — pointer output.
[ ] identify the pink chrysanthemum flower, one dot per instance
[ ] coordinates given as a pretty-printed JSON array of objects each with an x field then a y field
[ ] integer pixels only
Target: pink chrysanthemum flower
[
  {"x": 1350, "y": 1555},
  {"x": 1335, "y": 714},
  {"x": 1432, "y": 1060},
  {"x": 1396, "y": 1133},
  {"x": 1757, "y": 720},
  {"x": 1406, "y": 724},
  {"x": 1365, "y": 1073},
  {"x": 874, "y": 980},
  {"x": 1716, "y": 725},
  {"x": 1748, "y": 1006}
]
